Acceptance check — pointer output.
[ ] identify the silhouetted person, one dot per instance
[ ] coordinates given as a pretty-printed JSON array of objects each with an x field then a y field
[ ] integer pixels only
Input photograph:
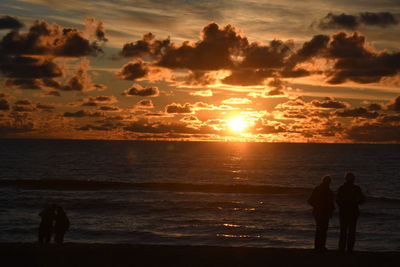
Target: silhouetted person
[
  {"x": 322, "y": 201},
  {"x": 61, "y": 225},
  {"x": 348, "y": 198},
  {"x": 46, "y": 224}
]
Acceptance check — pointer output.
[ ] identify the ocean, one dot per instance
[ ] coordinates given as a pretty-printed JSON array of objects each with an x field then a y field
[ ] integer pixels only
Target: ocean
[{"x": 194, "y": 193}]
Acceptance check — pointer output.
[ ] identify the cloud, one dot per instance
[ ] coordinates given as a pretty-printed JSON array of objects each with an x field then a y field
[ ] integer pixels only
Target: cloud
[
  {"x": 222, "y": 50},
  {"x": 96, "y": 28},
  {"x": 146, "y": 126},
  {"x": 109, "y": 108},
  {"x": 374, "y": 107},
  {"x": 328, "y": 103},
  {"x": 237, "y": 101},
  {"x": 102, "y": 99},
  {"x": 82, "y": 113},
  {"x": 27, "y": 59},
  {"x": 45, "y": 107},
  {"x": 52, "y": 40},
  {"x": 148, "y": 46},
  {"x": 81, "y": 80},
  {"x": 144, "y": 104},
  {"x": 4, "y": 105},
  {"x": 138, "y": 90},
  {"x": 214, "y": 51},
  {"x": 204, "y": 93},
  {"x": 179, "y": 109},
  {"x": 7, "y": 22},
  {"x": 355, "y": 61},
  {"x": 395, "y": 105},
  {"x": 332, "y": 21},
  {"x": 351, "y": 22},
  {"x": 357, "y": 112},
  {"x": 374, "y": 132},
  {"x": 382, "y": 19},
  {"x": 134, "y": 70},
  {"x": 52, "y": 93}
]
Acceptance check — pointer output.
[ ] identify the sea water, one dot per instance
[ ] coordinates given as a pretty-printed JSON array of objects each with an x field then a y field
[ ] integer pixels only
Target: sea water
[{"x": 194, "y": 193}]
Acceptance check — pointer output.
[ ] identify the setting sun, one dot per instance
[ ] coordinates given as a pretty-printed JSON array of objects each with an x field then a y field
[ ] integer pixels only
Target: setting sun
[{"x": 237, "y": 124}]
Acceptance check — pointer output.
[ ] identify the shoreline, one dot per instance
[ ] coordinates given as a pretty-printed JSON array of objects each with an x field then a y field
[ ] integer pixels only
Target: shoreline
[{"x": 95, "y": 254}]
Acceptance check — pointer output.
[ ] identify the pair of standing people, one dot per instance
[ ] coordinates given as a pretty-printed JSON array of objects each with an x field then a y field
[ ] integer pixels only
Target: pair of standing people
[
  {"x": 53, "y": 220},
  {"x": 348, "y": 197}
]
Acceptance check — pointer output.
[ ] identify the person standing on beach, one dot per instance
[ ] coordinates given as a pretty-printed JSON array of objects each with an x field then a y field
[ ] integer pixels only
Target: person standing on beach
[
  {"x": 322, "y": 201},
  {"x": 348, "y": 198},
  {"x": 46, "y": 225},
  {"x": 61, "y": 225}
]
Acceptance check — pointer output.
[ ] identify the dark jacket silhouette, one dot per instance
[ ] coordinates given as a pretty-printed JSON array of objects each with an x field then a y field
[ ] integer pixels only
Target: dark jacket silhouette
[
  {"x": 61, "y": 225},
  {"x": 348, "y": 198},
  {"x": 322, "y": 201},
  {"x": 46, "y": 225}
]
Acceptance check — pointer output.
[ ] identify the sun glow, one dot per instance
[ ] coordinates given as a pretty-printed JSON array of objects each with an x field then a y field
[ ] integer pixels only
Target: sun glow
[{"x": 237, "y": 124}]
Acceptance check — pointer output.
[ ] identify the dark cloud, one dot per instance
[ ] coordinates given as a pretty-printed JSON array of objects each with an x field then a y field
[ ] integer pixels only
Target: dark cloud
[
  {"x": 262, "y": 127},
  {"x": 145, "y": 103},
  {"x": 382, "y": 19},
  {"x": 395, "y": 105},
  {"x": 146, "y": 126},
  {"x": 357, "y": 112},
  {"x": 267, "y": 57},
  {"x": 27, "y": 59},
  {"x": 23, "y": 67},
  {"x": 23, "y": 108},
  {"x": 92, "y": 101},
  {"x": 213, "y": 52},
  {"x": 45, "y": 39},
  {"x": 23, "y": 102},
  {"x": 4, "y": 105},
  {"x": 278, "y": 86},
  {"x": 374, "y": 107},
  {"x": 351, "y": 22},
  {"x": 9, "y": 129},
  {"x": 374, "y": 132},
  {"x": 134, "y": 70},
  {"x": 82, "y": 113},
  {"x": 358, "y": 63},
  {"x": 389, "y": 118},
  {"x": 177, "y": 108},
  {"x": 148, "y": 46},
  {"x": 7, "y": 22},
  {"x": 108, "y": 108},
  {"x": 138, "y": 90},
  {"x": 328, "y": 103},
  {"x": 45, "y": 107},
  {"x": 247, "y": 77},
  {"x": 332, "y": 21},
  {"x": 199, "y": 78}
]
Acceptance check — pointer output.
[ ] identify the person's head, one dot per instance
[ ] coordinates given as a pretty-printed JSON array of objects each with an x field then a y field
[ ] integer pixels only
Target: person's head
[
  {"x": 326, "y": 180},
  {"x": 349, "y": 178}
]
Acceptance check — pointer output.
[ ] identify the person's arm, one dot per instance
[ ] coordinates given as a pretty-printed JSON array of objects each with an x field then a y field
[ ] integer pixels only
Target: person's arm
[
  {"x": 311, "y": 200},
  {"x": 361, "y": 196}
]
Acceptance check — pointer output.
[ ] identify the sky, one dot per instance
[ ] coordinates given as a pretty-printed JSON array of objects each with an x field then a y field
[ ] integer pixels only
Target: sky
[{"x": 210, "y": 70}]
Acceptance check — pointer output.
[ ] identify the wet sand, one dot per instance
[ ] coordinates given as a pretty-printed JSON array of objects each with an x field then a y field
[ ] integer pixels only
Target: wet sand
[{"x": 28, "y": 254}]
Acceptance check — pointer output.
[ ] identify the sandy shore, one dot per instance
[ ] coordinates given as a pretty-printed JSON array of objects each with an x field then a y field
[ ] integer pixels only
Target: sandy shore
[{"x": 25, "y": 254}]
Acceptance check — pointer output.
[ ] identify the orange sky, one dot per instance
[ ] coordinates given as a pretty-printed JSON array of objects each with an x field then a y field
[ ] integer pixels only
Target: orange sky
[{"x": 282, "y": 71}]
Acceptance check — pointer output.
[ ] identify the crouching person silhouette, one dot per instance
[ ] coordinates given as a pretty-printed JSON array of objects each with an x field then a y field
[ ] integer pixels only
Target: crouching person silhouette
[
  {"x": 61, "y": 225},
  {"x": 322, "y": 201},
  {"x": 348, "y": 198}
]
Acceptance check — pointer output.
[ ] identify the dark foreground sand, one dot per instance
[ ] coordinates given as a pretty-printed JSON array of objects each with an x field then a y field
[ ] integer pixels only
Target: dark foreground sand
[{"x": 25, "y": 254}]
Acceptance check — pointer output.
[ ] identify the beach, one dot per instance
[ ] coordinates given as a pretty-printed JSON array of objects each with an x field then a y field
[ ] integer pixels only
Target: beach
[{"x": 80, "y": 254}]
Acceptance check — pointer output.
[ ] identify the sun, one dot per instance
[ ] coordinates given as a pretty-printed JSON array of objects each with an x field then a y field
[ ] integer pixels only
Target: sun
[{"x": 237, "y": 124}]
